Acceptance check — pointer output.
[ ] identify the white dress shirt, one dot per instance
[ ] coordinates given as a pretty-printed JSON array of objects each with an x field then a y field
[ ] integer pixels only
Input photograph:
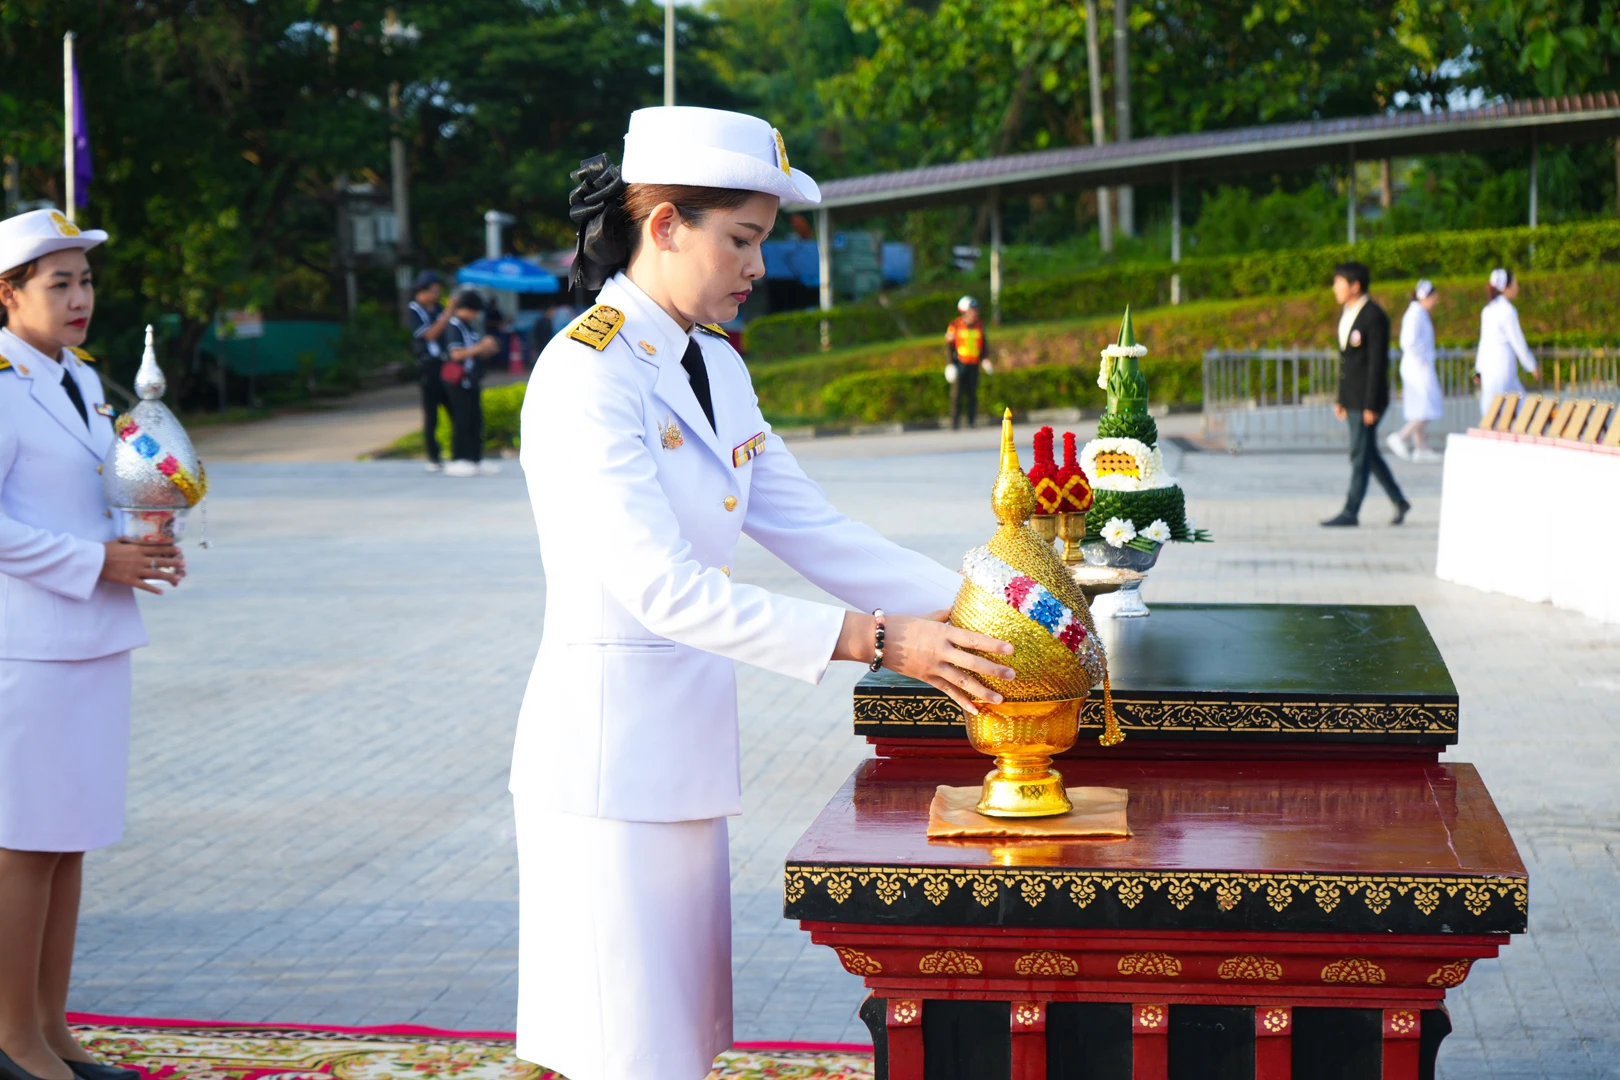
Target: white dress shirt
[{"x": 1348, "y": 319}]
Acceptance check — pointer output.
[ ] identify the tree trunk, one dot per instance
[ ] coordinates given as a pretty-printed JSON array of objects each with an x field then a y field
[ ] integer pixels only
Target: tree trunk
[{"x": 1386, "y": 187}]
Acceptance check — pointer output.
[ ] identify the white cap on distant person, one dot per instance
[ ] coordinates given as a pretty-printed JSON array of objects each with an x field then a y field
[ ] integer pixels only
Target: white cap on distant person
[
  {"x": 966, "y": 304},
  {"x": 1424, "y": 288},
  {"x": 683, "y": 144},
  {"x": 26, "y": 237},
  {"x": 1501, "y": 278}
]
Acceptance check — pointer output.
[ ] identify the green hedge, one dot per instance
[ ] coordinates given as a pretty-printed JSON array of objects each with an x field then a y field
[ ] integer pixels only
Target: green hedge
[
  {"x": 503, "y": 407},
  {"x": 870, "y": 383},
  {"x": 1466, "y": 254}
]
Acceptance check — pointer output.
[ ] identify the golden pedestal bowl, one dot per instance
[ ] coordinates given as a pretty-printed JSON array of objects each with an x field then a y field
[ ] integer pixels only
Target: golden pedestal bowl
[{"x": 1022, "y": 736}]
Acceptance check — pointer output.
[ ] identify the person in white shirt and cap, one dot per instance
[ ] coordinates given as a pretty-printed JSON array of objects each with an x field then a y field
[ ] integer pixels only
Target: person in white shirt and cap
[
  {"x": 1421, "y": 399},
  {"x": 646, "y": 458},
  {"x": 1502, "y": 348},
  {"x": 68, "y": 622}
]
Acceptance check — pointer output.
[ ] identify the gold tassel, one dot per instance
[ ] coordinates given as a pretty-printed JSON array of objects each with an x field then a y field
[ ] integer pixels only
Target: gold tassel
[{"x": 1111, "y": 735}]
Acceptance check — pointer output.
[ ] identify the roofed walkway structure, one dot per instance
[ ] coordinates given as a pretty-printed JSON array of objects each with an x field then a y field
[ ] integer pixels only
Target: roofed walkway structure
[{"x": 1172, "y": 158}]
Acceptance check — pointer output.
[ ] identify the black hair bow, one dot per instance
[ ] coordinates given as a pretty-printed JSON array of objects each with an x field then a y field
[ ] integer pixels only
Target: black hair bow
[{"x": 593, "y": 207}]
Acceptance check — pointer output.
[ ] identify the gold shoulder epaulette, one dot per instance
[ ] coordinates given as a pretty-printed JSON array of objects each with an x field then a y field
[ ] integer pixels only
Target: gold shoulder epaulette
[
  {"x": 5, "y": 365},
  {"x": 597, "y": 326},
  {"x": 82, "y": 355},
  {"x": 715, "y": 328}
]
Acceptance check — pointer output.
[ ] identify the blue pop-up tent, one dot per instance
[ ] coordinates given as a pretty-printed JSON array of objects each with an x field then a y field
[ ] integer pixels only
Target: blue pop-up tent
[{"x": 509, "y": 275}]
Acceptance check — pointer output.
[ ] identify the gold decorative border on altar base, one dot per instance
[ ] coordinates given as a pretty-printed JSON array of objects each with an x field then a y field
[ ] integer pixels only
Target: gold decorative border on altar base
[
  {"x": 1184, "y": 715},
  {"x": 1082, "y": 887}
]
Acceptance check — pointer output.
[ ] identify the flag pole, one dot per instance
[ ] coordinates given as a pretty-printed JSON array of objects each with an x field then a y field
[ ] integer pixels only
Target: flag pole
[{"x": 69, "y": 164}]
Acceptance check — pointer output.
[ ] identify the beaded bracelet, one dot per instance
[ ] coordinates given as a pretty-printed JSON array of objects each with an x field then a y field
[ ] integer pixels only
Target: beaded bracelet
[{"x": 877, "y": 653}]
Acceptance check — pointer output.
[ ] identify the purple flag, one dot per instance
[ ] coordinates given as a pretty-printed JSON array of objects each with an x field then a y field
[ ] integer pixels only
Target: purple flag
[{"x": 81, "y": 143}]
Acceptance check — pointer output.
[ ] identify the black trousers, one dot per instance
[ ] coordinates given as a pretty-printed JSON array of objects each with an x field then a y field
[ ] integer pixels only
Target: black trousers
[
  {"x": 965, "y": 395},
  {"x": 466, "y": 422},
  {"x": 1366, "y": 461},
  {"x": 433, "y": 396}
]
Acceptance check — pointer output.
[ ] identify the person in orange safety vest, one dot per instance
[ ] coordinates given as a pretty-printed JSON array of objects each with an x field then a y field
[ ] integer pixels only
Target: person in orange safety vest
[{"x": 967, "y": 351}]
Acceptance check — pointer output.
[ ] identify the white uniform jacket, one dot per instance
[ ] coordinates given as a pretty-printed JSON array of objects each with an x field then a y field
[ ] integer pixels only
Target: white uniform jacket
[
  {"x": 1501, "y": 343},
  {"x": 631, "y": 710},
  {"x": 53, "y": 516}
]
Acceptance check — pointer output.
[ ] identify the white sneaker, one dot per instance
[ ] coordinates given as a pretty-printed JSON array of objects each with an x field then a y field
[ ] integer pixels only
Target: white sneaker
[
  {"x": 489, "y": 468},
  {"x": 434, "y": 466},
  {"x": 1424, "y": 456},
  {"x": 461, "y": 468},
  {"x": 1397, "y": 446}
]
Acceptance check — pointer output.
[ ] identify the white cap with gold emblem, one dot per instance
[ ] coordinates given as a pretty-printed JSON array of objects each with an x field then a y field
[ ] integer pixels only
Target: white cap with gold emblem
[
  {"x": 26, "y": 237},
  {"x": 682, "y": 144}
]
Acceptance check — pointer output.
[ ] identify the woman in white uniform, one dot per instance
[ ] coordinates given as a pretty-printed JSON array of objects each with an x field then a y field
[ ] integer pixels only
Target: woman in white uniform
[
  {"x": 1421, "y": 399},
  {"x": 68, "y": 621},
  {"x": 1502, "y": 348},
  {"x": 646, "y": 457}
]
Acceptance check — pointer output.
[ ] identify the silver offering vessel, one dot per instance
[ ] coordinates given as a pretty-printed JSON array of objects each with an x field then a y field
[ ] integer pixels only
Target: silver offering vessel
[{"x": 151, "y": 472}]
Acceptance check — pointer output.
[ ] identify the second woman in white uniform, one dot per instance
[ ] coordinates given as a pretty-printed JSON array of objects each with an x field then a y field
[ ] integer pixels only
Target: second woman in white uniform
[
  {"x": 646, "y": 458},
  {"x": 1421, "y": 399},
  {"x": 1502, "y": 348}
]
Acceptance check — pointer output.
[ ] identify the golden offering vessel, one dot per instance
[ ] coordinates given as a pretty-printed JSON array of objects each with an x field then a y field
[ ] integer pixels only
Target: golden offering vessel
[{"x": 1015, "y": 588}]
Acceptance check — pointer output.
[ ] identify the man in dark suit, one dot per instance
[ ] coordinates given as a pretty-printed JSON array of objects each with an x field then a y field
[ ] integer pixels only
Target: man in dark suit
[{"x": 1363, "y": 389}]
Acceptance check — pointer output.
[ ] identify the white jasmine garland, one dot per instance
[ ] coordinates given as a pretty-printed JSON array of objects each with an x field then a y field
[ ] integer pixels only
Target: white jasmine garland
[
  {"x": 1113, "y": 351},
  {"x": 1104, "y": 371},
  {"x": 1149, "y": 462},
  {"x": 1118, "y": 532},
  {"x": 1158, "y": 532}
]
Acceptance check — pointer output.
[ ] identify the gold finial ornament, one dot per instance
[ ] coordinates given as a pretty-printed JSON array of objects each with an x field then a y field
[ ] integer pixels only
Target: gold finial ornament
[{"x": 1016, "y": 589}]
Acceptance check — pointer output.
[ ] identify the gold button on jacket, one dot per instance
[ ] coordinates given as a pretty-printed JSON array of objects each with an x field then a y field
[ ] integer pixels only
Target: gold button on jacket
[{"x": 731, "y": 502}]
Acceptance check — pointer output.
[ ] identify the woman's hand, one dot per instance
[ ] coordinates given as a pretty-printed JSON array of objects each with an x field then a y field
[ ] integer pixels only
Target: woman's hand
[
  {"x": 130, "y": 562},
  {"x": 928, "y": 648}
]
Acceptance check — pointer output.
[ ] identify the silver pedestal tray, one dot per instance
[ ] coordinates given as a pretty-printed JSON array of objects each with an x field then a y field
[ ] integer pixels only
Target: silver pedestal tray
[{"x": 1131, "y": 567}]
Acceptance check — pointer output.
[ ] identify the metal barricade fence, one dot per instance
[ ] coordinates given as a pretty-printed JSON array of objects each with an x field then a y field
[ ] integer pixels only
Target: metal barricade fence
[{"x": 1282, "y": 399}]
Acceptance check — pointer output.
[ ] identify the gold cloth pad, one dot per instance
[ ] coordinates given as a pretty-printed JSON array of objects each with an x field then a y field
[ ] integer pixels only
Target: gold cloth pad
[{"x": 1098, "y": 811}]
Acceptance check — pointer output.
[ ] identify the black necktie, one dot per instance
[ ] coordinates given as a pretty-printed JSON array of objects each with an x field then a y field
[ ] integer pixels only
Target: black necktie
[
  {"x": 71, "y": 385},
  {"x": 693, "y": 363}
]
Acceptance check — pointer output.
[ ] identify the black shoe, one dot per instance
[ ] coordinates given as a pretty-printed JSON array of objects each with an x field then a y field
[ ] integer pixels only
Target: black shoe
[
  {"x": 1401, "y": 509},
  {"x": 94, "y": 1070},
  {"x": 10, "y": 1070},
  {"x": 1342, "y": 518}
]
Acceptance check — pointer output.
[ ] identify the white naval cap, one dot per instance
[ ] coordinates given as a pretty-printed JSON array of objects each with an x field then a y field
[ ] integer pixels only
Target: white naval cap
[
  {"x": 26, "y": 237},
  {"x": 682, "y": 144},
  {"x": 1501, "y": 278}
]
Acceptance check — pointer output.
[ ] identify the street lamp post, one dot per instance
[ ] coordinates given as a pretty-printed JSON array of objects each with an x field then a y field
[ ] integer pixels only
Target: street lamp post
[
  {"x": 669, "y": 52},
  {"x": 394, "y": 32}
]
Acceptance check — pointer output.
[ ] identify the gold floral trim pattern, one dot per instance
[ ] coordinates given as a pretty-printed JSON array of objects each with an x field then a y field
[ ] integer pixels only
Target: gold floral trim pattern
[
  {"x": 1403, "y": 1022},
  {"x": 950, "y": 962},
  {"x": 1319, "y": 717},
  {"x": 1250, "y": 968},
  {"x": 1150, "y": 963},
  {"x": 1450, "y": 975},
  {"x": 1354, "y": 969},
  {"x": 1276, "y": 1021},
  {"x": 1046, "y": 962},
  {"x": 1026, "y": 1014},
  {"x": 858, "y": 963},
  {"x": 1150, "y": 1017},
  {"x": 1378, "y": 893}
]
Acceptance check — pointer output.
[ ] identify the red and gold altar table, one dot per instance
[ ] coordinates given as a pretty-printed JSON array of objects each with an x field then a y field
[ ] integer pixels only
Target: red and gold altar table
[{"x": 1303, "y": 883}]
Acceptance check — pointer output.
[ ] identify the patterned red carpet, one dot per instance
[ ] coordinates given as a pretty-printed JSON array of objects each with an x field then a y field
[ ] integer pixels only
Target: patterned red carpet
[{"x": 184, "y": 1050}]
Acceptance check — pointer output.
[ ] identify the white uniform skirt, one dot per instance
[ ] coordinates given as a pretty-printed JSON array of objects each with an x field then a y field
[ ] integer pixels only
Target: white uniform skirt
[
  {"x": 1420, "y": 390},
  {"x": 64, "y": 752},
  {"x": 624, "y": 946}
]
